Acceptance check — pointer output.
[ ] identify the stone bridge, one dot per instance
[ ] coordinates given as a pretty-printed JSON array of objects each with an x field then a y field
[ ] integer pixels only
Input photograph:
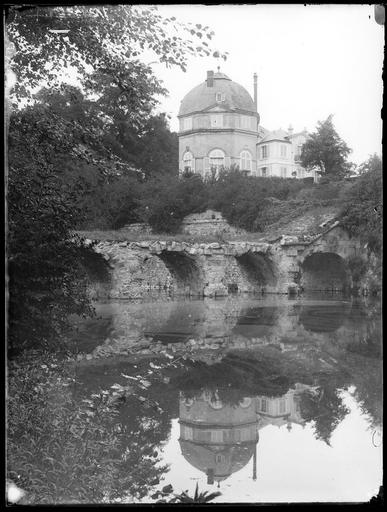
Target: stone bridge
[{"x": 212, "y": 269}]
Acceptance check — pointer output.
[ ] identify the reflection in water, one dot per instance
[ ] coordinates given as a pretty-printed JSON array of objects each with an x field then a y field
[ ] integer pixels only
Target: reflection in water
[
  {"x": 232, "y": 321},
  {"x": 325, "y": 317},
  {"x": 230, "y": 410},
  {"x": 220, "y": 438}
]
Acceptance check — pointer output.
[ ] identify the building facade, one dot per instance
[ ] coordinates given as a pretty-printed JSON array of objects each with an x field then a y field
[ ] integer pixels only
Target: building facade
[{"x": 219, "y": 128}]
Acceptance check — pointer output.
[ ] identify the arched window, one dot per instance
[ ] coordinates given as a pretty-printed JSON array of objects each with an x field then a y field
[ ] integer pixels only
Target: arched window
[
  {"x": 245, "y": 161},
  {"x": 216, "y": 404},
  {"x": 217, "y": 158},
  {"x": 188, "y": 162},
  {"x": 245, "y": 402}
]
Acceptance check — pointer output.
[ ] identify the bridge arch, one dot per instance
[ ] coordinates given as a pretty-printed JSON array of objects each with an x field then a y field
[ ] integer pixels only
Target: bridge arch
[
  {"x": 258, "y": 269},
  {"x": 324, "y": 318},
  {"x": 185, "y": 271},
  {"x": 324, "y": 271}
]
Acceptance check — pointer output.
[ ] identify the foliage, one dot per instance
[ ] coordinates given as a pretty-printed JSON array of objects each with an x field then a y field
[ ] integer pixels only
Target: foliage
[
  {"x": 199, "y": 497},
  {"x": 163, "y": 200},
  {"x": 47, "y": 281},
  {"x": 67, "y": 450},
  {"x": 104, "y": 44},
  {"x": 62, "y": 169},
  {"x": 372, "y": 164},
  {"x": 167, "y": 200},
  {"x": 327, "y": 410},
  {"x": 326, "y": 151},
  {"x": 153, "y": 149},
  {"x": 363, "y": 211},
  {"x": 239, "y": 375},
  {"x": 241, "y": 198}
]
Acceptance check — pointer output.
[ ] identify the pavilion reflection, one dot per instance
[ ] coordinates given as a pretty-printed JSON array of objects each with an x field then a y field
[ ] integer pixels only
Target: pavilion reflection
[{"x": 220, "y": 438}]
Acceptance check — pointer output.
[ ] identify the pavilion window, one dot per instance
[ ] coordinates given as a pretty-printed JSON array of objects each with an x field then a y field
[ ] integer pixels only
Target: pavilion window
[
  {"x": 188, "y": 162},
  {"x": 187, "y": 123},
  {"x": 245, "y": 161},
  {"x": 216, "y": 160}
]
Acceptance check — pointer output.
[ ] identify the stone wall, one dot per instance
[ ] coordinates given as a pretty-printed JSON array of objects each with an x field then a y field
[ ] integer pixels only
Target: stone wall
[
  {"x": 137, "y": 228},
  {"x": 209, "y": 223},
  {"x": 216, "y": 269},
  {"x": 211, "y": 269}
]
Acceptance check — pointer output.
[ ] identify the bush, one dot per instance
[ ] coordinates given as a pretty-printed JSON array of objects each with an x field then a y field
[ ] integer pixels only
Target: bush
[
  {"x": 165, "y": 201},
  {"x": 363, "y": 211},
  {"x": 47, "y": 282},
  {"x": 63, "y": 450}
]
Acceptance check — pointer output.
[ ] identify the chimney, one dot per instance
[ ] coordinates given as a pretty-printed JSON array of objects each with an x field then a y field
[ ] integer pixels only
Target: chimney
[
  {"x": 210, "y": 79},
  {"x": 255, "y": 463},
  {"x": 210, "y": 476},
  {"x": 256, "y": 92},
  {"x": 290, "y": 130}
]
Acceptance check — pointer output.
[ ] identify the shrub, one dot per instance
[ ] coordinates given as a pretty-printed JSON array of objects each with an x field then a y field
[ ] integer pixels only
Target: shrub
[{"x": 363, "y": 211}]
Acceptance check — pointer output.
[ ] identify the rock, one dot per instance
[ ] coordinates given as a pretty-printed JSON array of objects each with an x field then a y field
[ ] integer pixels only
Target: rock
[
  {"x": 167, "y": 489},
  {"x": 143, "y": 344}
]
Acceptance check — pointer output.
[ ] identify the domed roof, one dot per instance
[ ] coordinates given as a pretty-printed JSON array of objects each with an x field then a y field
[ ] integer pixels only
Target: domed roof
[
  {"x": 202, "y": 457},
  {"x": 202, "y": 97}
]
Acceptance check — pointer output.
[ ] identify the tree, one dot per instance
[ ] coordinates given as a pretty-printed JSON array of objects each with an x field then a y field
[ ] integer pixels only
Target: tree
[
  {"x": 47, "y": 282},
  {"x": 372, "y": 164},
  {"x": 103, "y": 45},
  {"x": 153, "y": 149},
  {"x": 363, "y": 211},
  {"x": 326, "y": 151}
]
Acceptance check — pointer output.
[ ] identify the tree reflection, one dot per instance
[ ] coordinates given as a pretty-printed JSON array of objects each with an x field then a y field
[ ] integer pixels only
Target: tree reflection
[{"x": 326, "y": 410}]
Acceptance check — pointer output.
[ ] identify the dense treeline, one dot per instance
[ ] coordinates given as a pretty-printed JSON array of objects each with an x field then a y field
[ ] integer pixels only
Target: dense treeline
[
  {"x": 251, "y": 203},
  {"x": 76, "y": 154}
]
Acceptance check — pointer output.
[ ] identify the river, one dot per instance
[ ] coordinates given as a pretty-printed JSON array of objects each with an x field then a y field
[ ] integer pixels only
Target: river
[{"x": 263, "y": 399}]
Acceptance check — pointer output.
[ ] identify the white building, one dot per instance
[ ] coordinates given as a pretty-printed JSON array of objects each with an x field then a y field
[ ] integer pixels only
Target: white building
[{"x": 219, "y": 127}]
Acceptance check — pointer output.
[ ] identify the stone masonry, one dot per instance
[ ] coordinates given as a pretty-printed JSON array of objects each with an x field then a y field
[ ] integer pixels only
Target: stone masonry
[{"x": 216, "y": 269}]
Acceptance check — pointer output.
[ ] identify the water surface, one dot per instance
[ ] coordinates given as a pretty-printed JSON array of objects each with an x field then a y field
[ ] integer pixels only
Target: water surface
[{"x": 263, "y": 399}]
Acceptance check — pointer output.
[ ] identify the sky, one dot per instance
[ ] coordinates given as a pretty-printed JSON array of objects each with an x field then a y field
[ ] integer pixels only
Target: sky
[{"x": 311, "y": 61}]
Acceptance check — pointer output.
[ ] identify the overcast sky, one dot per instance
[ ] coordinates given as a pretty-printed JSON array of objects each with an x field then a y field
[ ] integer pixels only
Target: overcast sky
[{"x": 311, "y": 61}]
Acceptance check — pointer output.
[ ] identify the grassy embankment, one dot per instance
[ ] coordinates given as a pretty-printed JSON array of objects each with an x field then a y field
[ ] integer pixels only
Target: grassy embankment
[{"x": 305, "y": 220}]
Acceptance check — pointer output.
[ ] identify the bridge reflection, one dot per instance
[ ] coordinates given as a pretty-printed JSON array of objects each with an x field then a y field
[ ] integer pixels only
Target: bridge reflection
[{"x": 231, "y": 322}]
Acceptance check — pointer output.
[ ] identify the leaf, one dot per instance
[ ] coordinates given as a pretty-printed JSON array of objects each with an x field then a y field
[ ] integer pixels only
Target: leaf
[
  {"x": 117, "y": 386},
  {"x": 145, "y": 383}
]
